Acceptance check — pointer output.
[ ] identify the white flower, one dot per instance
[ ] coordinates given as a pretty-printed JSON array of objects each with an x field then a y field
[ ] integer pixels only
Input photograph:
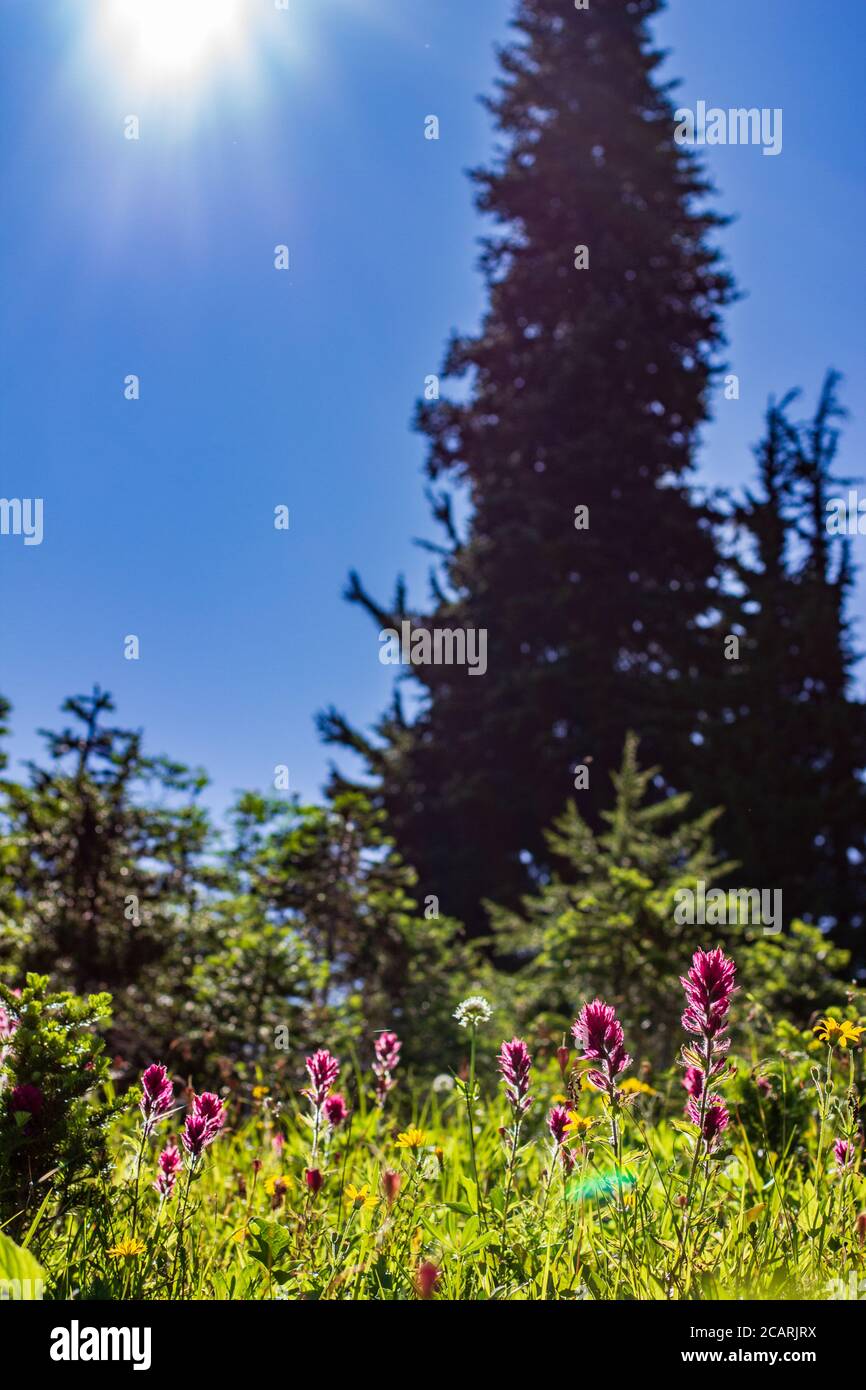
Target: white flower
[
  {"x": 443, "y": 1082},
  {"x": 473, "y": 1011}
]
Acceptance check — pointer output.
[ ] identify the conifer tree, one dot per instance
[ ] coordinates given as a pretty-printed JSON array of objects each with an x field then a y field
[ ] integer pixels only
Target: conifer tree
[
  {"x": 788, "y": 755},
  {"x": 622, "y": 912},
  {"x": 585, "y": 558},
  {"x": 102, "y": 851}
]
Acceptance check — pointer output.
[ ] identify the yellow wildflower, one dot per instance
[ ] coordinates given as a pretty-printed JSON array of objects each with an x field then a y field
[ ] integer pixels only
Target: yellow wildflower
[
  {"x": 578, "y": 1125},
  {"x": 633, "y": 1087},
  {"x": 360, "y": 1196},
  {"x": 838, "y": 1034},
  {"x": 281, "y": 1181},
  {"x": 411, "y": 1138},
  {"x": 259, "y": 1092},
  {"x": 127, "y": 1249}
]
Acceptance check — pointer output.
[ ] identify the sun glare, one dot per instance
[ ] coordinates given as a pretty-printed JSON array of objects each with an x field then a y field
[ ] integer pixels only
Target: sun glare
[{"x": 167, "y": 40}]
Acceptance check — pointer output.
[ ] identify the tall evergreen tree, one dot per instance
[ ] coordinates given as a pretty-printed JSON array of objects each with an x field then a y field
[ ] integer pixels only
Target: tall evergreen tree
[
  {"x": 586, "y": 389},
  {"x": 788, "y": 755}
]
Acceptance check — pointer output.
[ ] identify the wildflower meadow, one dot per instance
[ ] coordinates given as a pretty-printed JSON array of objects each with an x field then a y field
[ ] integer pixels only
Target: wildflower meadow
[{"x": 568, "y": 1173}]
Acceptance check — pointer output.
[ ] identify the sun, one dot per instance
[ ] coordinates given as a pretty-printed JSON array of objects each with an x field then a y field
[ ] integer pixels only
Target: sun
[{"x": 170, "y": 40}]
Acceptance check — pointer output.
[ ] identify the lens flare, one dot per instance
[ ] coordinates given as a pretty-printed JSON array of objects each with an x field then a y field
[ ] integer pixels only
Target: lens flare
[
  {"x": 167, "y": 40},
  {"x": 603, "y": 1187}
]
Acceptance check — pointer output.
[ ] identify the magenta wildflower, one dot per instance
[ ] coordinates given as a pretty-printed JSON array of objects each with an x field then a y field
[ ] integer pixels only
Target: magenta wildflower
[
  {"x": 709, "y": 986},
  {"x": 712, "y": 1122},
  {"x": 387, "y": 1049},
  {"x": 27, "y": 1099},
  {"x": 598, "y": 1033},
  {"x": 169, "y": 1164},
  {"x": 843, "y": 1152},
  {"x": 557, "y": 1119},
  {"x": 391, "y": 1181},
  {"x": 336, "y": 1110},
  {"x": 196, "y": 1135},
  {"x": 694, "y": 1081},
  {"x": 323, "y": 1070},
  {"x": 427, "y": 1279},
  {"x": 314, "y": 1180},
  {"x": 514, "y": 1066},
  {"x": 157, "y": 1094},
  {"x": 211, "y": 1109}
]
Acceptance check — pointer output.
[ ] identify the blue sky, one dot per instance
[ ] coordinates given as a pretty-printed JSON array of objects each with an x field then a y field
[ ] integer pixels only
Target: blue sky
[{"x": 155, "y": 257}]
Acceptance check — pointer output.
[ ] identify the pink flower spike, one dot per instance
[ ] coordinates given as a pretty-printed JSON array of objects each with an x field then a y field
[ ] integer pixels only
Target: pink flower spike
[
  {"x": 387, "y": 1049},
  {"x": 693, "y": 1081},
  {"x": 715, "y": 1121},
  {"x": 198, "y": 1133},
  {"x": 169, "y": 1164},
  {"x": 843, "y": 1152},
  {"x": 514, "y": 1067},
  {"x": 709, "y": 985},
  {"x": 212, "y": 1111},
  {"x": 557, "y": 1119},
  {"x": 323, "y": 1069},
  {"x": 336, "y": 1110},
  {"x": 598, "y": 1033},
  {"x": 157, "y": 1093}
]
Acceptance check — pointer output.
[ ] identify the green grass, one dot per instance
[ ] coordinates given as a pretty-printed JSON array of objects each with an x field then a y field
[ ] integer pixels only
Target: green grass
[{"x": 770, "y": 1219}]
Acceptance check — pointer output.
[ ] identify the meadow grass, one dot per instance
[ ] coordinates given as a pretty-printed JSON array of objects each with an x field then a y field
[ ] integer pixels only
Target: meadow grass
[{"x": 398, "y": 1214}]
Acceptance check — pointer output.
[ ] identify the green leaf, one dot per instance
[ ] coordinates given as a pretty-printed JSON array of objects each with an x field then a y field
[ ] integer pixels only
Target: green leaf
[{"x": 270, "y": 1244}]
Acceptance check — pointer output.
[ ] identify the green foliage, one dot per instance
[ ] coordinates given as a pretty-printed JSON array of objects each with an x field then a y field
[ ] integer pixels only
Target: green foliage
[
  {"x": 770, "y": 1219},
  {"x": 609, "y": 922},
  {"x": 316, "y": 936},
  {"x": 52, "y": 1149},
  {"x": 99, "y": 870}
]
